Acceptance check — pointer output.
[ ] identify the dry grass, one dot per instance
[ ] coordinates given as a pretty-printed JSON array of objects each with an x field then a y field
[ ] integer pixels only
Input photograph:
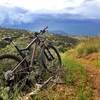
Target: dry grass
[{"x": 88, "y": 45}]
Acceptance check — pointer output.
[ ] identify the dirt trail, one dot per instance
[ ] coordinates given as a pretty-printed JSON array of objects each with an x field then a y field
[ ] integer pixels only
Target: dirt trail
[{"x": 94, "y": 74}]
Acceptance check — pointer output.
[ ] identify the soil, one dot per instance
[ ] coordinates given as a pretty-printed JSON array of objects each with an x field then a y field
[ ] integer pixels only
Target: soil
[{"x": 94, "y": 73}]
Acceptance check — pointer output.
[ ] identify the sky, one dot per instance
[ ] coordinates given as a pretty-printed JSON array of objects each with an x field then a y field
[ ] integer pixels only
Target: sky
[
  {"x": 84, "y": 8},
  {"x": 80, "y": 14}
]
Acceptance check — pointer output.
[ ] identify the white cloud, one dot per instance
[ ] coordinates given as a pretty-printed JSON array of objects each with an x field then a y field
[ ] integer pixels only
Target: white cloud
[
  {"x": 82, "y": 8},
  {"x": 42, "y": 5},
  {"x": 90, "y": 9},
  {"x": 15, "y": 15}
]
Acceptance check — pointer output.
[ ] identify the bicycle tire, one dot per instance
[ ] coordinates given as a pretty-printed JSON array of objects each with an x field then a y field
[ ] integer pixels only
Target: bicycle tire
[
  {"x": 6, "y": 61},
  {"x": 48, "y": 67}
]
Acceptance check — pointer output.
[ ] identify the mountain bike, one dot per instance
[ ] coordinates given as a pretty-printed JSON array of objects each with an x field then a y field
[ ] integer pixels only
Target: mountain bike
[{"x": 15, "y": 70}]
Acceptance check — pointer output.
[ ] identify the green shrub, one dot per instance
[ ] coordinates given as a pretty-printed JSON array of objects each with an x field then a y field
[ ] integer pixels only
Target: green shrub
[
  {"x": 88, "y": 45},
  {"x": 85, "y": 51}
]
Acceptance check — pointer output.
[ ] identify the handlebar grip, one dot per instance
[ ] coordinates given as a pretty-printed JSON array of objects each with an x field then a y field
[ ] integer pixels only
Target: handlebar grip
[{"x": 41, "y": 31}]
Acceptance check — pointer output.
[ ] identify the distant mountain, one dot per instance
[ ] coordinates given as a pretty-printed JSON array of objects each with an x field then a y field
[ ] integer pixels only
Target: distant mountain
[{"x": 58, "y": 32}]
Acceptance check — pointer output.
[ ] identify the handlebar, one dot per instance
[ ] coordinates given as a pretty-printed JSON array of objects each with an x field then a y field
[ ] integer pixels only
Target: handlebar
[
  {"x": 41, "y": 31},
  {"x": 44, "y": 30}
]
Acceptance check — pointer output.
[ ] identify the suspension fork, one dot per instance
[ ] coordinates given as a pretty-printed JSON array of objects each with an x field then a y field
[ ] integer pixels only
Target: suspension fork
[{"x": 50, "y": 56}]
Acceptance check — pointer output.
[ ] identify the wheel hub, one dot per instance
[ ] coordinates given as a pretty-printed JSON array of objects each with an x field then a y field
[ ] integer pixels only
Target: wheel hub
[{"x": 9, "y": 75}]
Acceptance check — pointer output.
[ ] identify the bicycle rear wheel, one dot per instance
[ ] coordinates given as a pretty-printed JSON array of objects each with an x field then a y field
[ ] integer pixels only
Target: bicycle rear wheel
[{"x": 7, "y": 63}]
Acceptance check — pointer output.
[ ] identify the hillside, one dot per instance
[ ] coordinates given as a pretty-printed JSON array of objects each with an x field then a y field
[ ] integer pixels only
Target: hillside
[
  {"x": 87, "y": 53},
  {"x": 81, "y": 65},
  {"x": 24, "y": 37}
]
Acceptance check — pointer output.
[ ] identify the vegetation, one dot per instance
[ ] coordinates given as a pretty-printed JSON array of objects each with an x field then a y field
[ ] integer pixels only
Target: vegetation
[
  {"x": 88, "y": 45},
  {"x": 23, "y": 37},
  {"x": 76, "y": 76},
  {"x": 75, "y": 54}
]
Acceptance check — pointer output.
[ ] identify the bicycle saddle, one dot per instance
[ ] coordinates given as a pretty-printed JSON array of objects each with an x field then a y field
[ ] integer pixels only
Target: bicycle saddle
[{"x": 8, "y": 39}]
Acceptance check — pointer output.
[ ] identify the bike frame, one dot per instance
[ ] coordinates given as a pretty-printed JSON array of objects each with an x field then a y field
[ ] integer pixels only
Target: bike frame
[
  {"x": 45, "y": 52},
  {"x": 34, "y": 41}
]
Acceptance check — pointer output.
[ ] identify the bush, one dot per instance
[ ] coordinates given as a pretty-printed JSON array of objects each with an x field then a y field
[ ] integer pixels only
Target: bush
[
  {"x": 88, "y": 46},
  {"x": 86, "y": 51}
]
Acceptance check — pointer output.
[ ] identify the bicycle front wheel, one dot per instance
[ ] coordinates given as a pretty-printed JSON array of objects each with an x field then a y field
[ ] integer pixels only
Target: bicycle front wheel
[{"x": 51, "y": 59}]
